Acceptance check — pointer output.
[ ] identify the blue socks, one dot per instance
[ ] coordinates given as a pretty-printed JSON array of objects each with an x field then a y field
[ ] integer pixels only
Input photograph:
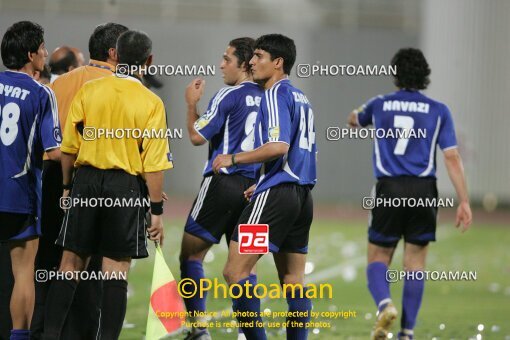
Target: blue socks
[
  {"x": 245, "y": 305},
  {"x": 380, "y": 289},
  {"x": 20, "y": 334},
  {"x": 411, "y": 302},
  {"x": 298, "y": 304},
  {"x": 254, "y": 282},
  {"x": 195, "y": 271},
  {"x": 377, "y": 284}
]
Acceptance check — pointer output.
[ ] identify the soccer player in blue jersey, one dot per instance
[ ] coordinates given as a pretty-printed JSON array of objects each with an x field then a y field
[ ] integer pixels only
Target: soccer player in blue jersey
[
  {"x": 228, "y": 126},
  {"x": 28, "y": 127},
  {"x": 406, "y": 168},
  {"x": 285, "y": 145}
]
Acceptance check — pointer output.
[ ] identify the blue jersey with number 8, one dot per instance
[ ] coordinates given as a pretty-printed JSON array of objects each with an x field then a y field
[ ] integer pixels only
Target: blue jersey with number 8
[
  {"x": 286, "y": 116},
  {"x": 28, "y": 126},
  {"x": 228, "y": 125},
  {"x": 409, "y": 126}
]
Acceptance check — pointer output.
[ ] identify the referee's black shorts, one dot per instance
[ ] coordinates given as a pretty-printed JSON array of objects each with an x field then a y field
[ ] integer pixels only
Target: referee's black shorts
[
  {"x": 388, "y": 224},
  {"x": 108, "y": 230},
  {"x": 218, "y": 206}
]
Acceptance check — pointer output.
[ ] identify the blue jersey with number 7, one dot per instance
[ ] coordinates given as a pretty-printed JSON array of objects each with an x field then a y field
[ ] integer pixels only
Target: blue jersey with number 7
[
  {"x": 286, "y": 116},
  {"x": 408, "y": 126},
  {"x": 28, "y": 126}
]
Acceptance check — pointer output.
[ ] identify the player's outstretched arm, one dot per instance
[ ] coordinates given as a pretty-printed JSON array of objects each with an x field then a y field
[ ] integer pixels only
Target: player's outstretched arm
[
  {"x": 193, "y": 94},
  {"x": 265, "y": 153},
  {"x": 155, "y": 185},
  {"x": 455, "y": 169}
]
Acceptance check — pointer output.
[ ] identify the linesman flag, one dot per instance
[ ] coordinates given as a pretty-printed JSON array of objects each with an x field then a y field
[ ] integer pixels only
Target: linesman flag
[{"x": 166, "y": 308}]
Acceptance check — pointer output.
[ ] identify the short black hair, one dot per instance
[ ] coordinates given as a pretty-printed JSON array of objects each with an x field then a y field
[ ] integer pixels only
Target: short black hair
[
  {"x": 412, "y": 69},
  {"x": 20, "y": 39},
  {"x": 133, "y": 48},
  {"x": 244, "y": 48},
  {"x": 62, "y": 65},
  {"x": 103, "y": 38},
  {"x": 278, "y": 46}
]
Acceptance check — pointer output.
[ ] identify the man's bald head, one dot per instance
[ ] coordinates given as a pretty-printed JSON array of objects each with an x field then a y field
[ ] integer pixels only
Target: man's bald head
[
  {"x": 79, "y": 56},
  {"x": 63, "y": 60}
]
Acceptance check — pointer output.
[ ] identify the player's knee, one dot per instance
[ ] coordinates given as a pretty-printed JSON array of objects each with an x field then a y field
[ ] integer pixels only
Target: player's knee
[
  {"x": 70, "y": 262},
  {"x": 228, "y": 275},
  {"x": 187, "y": 256},
  {"x": 291, "y": 280},
  {"x": 232, "y": 276},
  {"x": 414, "y": 264}
]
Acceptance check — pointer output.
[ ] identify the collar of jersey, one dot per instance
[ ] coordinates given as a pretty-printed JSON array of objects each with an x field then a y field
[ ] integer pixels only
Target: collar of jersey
[
  {"x": 131, "y": 78},
  {"x": 248, "y": 82},
  {"x": 26, "y": 74},
  {"x": 101, "y": 63},
  {"x": 280, "y": 81}
]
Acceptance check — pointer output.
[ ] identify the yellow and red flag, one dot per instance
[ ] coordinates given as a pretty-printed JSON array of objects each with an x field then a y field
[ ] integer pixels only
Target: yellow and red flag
[{"x": 166, "y": 308}]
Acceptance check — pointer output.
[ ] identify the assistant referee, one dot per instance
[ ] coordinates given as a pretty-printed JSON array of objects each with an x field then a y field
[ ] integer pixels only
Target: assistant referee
[{"x": 110, "y": 168}]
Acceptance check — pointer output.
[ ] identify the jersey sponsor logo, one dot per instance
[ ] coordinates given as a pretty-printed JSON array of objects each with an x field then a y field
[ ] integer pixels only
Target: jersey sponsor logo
[
  {"x": 405, "y": 106},
  {"x": 274, "y": 132},
  {"x": 253, "y": 238}
]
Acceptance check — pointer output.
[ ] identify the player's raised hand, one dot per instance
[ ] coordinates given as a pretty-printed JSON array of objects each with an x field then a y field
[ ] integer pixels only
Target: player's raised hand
[
  {"x": 156, "y": 232},
  {"x": 249, "y": 192},
  {"x": 194, "y": 91},
  {"x": 464, "y": 216},
  {"x": 353, "y": 119},
  {"x": 221, "y": 161}
]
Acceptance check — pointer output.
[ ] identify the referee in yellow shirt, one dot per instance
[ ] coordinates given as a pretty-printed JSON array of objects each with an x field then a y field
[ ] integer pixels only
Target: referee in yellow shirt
[
  {"x": 109, "y": 173},
  {"x": 83, "y": 319}
]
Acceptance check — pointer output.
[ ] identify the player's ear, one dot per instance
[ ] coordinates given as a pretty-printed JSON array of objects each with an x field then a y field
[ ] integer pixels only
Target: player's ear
[
  {"x": 30, "y": 56},
  {"x": 278, "y": 63},
  {"x": 244, "y": 66},
  {"x": 148, "y": 62},
  {"x": 112, "y": 54}
]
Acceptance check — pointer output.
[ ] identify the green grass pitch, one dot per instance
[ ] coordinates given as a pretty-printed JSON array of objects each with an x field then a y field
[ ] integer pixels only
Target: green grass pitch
[{"x": 450, "y": 309}]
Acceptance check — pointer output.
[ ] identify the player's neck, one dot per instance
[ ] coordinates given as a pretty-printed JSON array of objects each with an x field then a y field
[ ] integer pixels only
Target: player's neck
[
  {"x": 28, "y": 69},
  {"x": 274, "y": 79},
  {"x": 111, "y": 62},
  {"x": 243, "y": 79}
]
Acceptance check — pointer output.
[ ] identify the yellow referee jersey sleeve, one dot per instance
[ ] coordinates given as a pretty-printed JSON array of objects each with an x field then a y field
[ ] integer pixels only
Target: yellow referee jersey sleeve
[
  {"x": 117, "y": 123},
  {"x": 155, "y": 151}
]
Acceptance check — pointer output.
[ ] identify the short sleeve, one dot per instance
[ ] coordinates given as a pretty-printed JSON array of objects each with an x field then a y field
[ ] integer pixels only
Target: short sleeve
[
  {"x": 277, "y": 116},
  {"x": 447, "y": 138},
  {"x": 211, "y": 122},
  {"x": 156, "y": 151},
  {"x": 72, "y": 140},
  {"x": 364, "y": 112},
  {"x": 50, "y": 134}
]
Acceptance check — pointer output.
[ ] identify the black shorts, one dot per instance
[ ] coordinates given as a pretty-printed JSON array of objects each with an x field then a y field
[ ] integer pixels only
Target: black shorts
[
  {"x": 288, "y": 210},
  {"x": 18, "y": 227},
  {"x": 109, "y": 230},
  {"x": 49, "y": 254},
  {"x": 416, "y": 224},
  {"x": 218, "y": 206}
]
